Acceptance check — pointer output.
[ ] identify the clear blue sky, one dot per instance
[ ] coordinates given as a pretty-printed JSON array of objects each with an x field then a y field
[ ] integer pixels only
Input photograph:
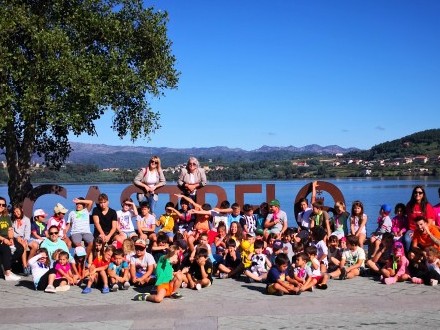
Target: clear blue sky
[{"x": 280, "y": 73}]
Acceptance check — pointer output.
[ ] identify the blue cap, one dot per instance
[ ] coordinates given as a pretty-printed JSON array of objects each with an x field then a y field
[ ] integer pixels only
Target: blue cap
[{"x": 386, "y": 208}]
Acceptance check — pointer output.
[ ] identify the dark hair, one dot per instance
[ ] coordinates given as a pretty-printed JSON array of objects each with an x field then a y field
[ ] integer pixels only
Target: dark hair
[
  {"x": 235, "y": 205},
  {"x": 353, "y": 240},
  {"x": 400, "y": 206},
  {"x": 413, "y": 201},
  {"x": 225, "y": 204},
  {"x": 247, "y": 207},
  {"x": 318, "y": 204},
  {"x": 231, "y": 242},
  {"x": 258, "y": 244},
  {"x": 63, "y": 254},
  {"x": 311, "y": 250},
  {"x": 318, "y": 233},
  {"x": 162, "y": 237},
  {"x": 202, "y": 252},
  {"x": 304, "y": 256},
  {"x": 206, "y": 207},
  {"x": 144, "y": 204},
  {"x": 169, "y": 204},
  {"x": 118, "y": 252},
  {"x": 281, "y": 259}
]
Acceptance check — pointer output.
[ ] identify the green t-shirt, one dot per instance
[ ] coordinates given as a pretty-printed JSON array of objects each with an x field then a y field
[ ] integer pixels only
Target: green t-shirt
[
  {"x": 164, "y": 271},
  {"x": 5, "y": 224}
]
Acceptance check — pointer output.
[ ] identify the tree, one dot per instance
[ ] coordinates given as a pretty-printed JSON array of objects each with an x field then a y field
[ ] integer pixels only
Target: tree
[{"x": 64, "y": 63}]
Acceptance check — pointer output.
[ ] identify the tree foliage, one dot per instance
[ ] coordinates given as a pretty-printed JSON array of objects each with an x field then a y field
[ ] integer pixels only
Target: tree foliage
[{"x": 63, "y": 63}]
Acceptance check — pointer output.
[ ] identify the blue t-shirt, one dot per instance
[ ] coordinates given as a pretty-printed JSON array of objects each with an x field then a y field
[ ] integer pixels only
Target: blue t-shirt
[
  {"x": 274, "y": 275},
  {"x": 118, "y": 269}
]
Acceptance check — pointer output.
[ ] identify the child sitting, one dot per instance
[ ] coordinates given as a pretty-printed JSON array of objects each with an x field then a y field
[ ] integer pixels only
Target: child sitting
[
  {"x": 318, "y": 278},
  {"x": 276, "y": 277},
  {"x": 384, "y": 225},
  {"x": 231, "y": 260},
  {"x": 396, "y": 269},
  {"x": 80, "y": 260},
  {"x": 166, "y": 221},
  {"x": 352, "y": 260},
  {"x": 40, "y": 268},
  {"x": 383, "y": 254},
  {"x": 98, "y": 271},
  {"x": 200, "y": 271},
  {"x": 259, "y": 263},
  {"x": 334, "y": 253},
  {"x": 60, "y": 279},
  {"x": 301, "y": 274},
  {"x": 118, "y": 272},
  {"x": 167, "y": 281}
]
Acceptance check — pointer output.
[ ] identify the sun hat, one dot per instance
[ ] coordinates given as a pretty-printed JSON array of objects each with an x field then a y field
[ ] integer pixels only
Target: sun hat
[{"x": 59, "y": 208}]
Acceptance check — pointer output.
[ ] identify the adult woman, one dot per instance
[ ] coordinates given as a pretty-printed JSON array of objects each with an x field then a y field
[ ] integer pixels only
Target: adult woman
[
  {"x": 149, "y": 179},
  {"x": 22, "y": 233},
  {"x": 417, "y": 206},
  {"x": 10, "y": 249},
  {"x": 191, "y": 178}
]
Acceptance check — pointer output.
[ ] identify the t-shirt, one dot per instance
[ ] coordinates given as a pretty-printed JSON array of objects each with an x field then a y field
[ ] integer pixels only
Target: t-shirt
[
  {"x": 100, "y": 262},
  {"x": 79, "y": 221},
  {"x": 5, "y": 224},
  {"x": 250, "y": 221},
  {"x": 274, "y": 275},
  {"x": 60, "y": 223},
  {"x": 166, "y": 221},
  {"x": 280, "y": 215},
  {"x": 142, "y": 264},
  {"x": 105, "y": 220},
  {"x": 302, "y": 273},
  {"x": 196, "y": 272},
  {"x": 146, "y": 223},
  {"x": 416, "y": 212},
  {"x": 39, "y": 228},
  {"x": 304, "y": 218},
  {"x": 125, "y": 220},
  {"x": 352, "y": 257},
  {"x": 118, "y": 269},
  {"x": 65, "y": 268},
  {"x": 164, "y": 271},
  {"x": 424, "y": 240}
]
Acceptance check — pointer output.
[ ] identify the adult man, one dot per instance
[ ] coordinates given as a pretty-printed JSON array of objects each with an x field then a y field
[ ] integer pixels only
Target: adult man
[
  {"x": 425, "y": 235},
  {"x": 276, "y": 220}
]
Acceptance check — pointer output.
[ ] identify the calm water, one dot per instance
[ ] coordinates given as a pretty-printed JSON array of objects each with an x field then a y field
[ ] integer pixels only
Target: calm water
[{"x": 372, "y": 192}]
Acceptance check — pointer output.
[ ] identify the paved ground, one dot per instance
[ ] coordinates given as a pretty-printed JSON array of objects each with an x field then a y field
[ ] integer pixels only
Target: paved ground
[{"x": 227, "y": 304}]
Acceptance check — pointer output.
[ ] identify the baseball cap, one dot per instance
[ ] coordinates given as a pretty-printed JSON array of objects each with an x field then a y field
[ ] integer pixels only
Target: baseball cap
[
  {"x": 39, "y": 212},
  {"x": 140, "y": 242},
  {"x": 277, "y": 245},
  {"x": 251, "y": 234},
  {"x": 398, "y": 249},
  {"x": 274, "y": 202},
  {"x": 386, "y": 208},
  {"x": 80, "y": 251},
  {"x": 59, "y": 208},
  {"x": 259, "y": 232}
]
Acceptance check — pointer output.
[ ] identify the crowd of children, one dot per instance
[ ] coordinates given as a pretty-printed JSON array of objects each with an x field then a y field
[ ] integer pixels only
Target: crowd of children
[{"x": 191, "y": 244}]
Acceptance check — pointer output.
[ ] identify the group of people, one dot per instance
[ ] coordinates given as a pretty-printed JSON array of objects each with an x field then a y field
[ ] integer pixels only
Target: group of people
[{"x": 189, "y": 244}]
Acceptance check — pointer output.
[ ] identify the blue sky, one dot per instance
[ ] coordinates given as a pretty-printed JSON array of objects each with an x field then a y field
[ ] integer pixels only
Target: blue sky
[{"x": 280, "y": 73}]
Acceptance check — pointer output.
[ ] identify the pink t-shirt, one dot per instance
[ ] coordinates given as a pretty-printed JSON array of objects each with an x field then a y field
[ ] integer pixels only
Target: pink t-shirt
[{"x": 66, "y": 268}]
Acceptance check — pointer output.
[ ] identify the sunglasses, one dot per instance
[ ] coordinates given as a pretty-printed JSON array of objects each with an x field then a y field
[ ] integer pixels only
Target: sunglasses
[
  {"x": 53, "y": 233},
  {"x": 418, "y": 193},
  {"x": 192, "y": 164},
  {"x": 139, "y": 248},
  {"x": 154, "y": 162},
  {"x": 1, "y": 204}
]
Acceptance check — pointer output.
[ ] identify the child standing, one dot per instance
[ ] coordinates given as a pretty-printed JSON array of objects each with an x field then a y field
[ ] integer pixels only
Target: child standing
[
  {"x": 118, "y": 272},
  {"x": 167, "y": 281},
  {"x": 384, "y": 225}
]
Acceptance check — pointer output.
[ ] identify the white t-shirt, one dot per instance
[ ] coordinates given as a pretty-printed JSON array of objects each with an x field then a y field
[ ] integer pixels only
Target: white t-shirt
[
  {"x": 146, "y": 222},
  {"x": 352, "y": 257},
  {"x": 141, "y": 264},
  {"x": 125, "y": 220}
]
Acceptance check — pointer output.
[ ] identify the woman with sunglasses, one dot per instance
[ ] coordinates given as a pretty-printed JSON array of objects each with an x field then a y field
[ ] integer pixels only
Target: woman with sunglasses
[
  {"x": 149, "y": 179},
  {"x": 10, "y": 249},
  {"x": 191, "y": 178},
  {"x": 417, "y": 206}
]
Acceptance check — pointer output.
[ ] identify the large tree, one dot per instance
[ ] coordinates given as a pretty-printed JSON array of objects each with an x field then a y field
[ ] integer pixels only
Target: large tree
[{"x": 63, "y": 63}]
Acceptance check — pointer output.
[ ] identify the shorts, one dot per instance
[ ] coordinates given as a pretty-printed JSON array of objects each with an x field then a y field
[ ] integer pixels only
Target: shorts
[
  {"x": 270, "y": 289},
  {"x": 318, "y": 278},
  {"x": 168, "y": 287},
  {"x": 129, "y": 234},
  {"x": 79, "y": 237},
  {"x": 170, "y": 234}
]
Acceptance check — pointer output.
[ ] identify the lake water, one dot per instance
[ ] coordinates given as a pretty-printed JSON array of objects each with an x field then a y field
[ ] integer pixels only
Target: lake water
[{"x": 372, "y": 192}]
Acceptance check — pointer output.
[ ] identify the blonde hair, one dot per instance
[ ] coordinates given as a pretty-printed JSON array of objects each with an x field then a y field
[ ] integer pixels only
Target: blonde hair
[
  {"x": 128, "y": 246},
  {"x": 157, "y": 160}
]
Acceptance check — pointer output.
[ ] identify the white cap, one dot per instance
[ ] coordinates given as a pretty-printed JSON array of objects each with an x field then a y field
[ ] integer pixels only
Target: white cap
[
  {"x": 59, "y": 208},
  {"x": 39, "y": 212}
]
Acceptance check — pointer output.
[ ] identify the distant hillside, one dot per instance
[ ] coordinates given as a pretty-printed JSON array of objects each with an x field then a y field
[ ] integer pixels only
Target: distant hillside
[
  {"x": 105, "y": 156},
  {"x": 425, "y": 143}
]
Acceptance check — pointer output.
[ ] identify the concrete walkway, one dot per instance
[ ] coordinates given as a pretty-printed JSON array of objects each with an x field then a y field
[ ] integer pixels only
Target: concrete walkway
[{"x": 227, "y": 304}]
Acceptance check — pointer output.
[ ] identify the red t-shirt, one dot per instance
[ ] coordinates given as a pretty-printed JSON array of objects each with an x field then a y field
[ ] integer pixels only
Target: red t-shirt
[{"x": 417, "y": 212}]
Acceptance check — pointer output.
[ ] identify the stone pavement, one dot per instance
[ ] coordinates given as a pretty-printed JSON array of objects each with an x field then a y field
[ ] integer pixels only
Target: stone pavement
[{"x": 227, "y": 304}]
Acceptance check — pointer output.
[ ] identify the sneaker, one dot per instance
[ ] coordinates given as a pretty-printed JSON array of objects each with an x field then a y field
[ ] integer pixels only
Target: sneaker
[
  {"x": 198, "y": 286},
  {"x": 279, "y": 293},
  {"x": 12, "y": 277},
  {"x": 50, "y": 289},
  {"x": 322, "y": 286},
  {"x": 248, "y": 280},
  {"x": 184, "y": 285},
  {"x": 389, "y": 280},
  {"x": 223, "y": 275},
  {"x": 433, "y": 282},
  {"x": 86, "y": 290},
  {"x": 105, "y": 289},
  {"x": 62, "y": 288},
  {"x": 343, "y": 275},
  {"x": 141, "y": 296},
  {"x": 115, "y": 287},
  {"x": 126, "y": 286},
  {"x": 176, "y": 295},
  {"x": 27, "y": 271},
  {"x": 310, "y": 289},
  {"x": 417, "y": 280}
]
